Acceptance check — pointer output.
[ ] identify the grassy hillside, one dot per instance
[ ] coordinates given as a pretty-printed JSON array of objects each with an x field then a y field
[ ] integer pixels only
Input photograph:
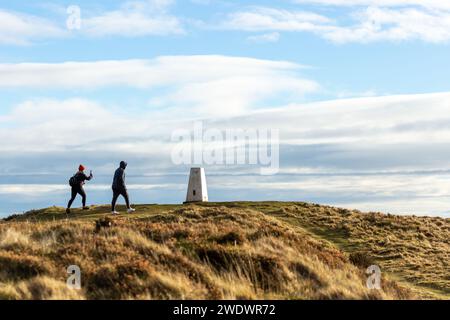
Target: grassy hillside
[{"x": 239, "y": 250}]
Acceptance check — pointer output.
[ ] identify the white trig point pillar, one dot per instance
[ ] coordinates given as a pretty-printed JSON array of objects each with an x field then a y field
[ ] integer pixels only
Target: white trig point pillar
[{"x": 197, "y": 190}]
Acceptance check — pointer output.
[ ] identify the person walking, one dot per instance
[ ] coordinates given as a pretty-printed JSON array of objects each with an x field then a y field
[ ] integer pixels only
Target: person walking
[
  {"x": 119, "y": 189},
  {"x": 77, "y": 182}
]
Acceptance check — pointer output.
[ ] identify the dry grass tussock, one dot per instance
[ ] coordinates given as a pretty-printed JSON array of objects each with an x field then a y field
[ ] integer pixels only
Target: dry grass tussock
[{"x": 184, "y": 252}]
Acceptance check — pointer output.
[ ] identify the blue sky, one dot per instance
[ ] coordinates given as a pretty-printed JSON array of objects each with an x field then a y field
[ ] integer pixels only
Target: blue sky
[{"x": 358, "y": 89}]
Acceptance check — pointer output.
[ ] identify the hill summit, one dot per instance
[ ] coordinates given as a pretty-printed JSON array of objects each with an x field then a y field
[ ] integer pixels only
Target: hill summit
[{"x": 235, "y": 250}]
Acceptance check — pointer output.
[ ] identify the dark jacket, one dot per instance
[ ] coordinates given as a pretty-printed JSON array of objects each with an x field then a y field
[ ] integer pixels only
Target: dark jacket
[
  {"x": 81, "y": 177},
  {"x": 119, "y": 177}
]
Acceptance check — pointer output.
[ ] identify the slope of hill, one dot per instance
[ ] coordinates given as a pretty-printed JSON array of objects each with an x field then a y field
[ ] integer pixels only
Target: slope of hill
[{"x": 239, "y": 250}]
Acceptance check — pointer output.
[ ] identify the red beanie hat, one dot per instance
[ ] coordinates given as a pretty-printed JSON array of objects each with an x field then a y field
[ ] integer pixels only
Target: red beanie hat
[{"x": 81, "y": 167}]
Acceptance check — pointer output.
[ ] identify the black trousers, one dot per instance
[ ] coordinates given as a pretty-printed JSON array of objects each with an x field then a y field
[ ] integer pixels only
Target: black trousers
[
  {"x": 116, "y": 194},
  {"x": 77, "y": 190}
]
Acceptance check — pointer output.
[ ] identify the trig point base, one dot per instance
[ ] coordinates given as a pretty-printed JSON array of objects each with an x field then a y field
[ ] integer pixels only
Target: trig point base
[{"x": 197, "y": 190}]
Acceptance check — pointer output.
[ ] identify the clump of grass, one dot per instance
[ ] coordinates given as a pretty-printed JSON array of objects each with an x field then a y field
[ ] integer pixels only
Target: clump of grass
[
  {"x": 38, "y": 288},
  {"x": 361, "y": 259},
  {"x": 103, "y": 223},
  {"x": 230, "y": 238}
]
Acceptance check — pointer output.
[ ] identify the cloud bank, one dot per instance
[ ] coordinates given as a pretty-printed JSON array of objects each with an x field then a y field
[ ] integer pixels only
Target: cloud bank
[
  {"x": 207, "y": 85},
  {"x": 373, "y": 134},
  {"x": 367, "y": 153},
  {"x": 338, "y": 21},
  {"x": 371, "y": 21}
]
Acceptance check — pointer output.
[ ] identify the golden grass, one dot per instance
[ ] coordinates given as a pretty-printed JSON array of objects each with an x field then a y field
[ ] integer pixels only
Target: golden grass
[
  {"x": 216, "y": 251},
  {"x": 413, "y": 249}
]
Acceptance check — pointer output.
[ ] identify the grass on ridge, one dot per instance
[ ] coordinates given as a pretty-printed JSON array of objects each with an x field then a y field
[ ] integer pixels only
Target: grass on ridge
[{"x": 236, "y": 250}]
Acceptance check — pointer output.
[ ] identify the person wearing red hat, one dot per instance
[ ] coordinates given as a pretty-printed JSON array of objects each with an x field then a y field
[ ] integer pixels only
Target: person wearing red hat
[{"x": 77, "y": 182}]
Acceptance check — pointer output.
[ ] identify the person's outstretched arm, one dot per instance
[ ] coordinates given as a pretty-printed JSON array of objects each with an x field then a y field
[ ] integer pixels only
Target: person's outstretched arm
[{"x": 88, "y": 178}]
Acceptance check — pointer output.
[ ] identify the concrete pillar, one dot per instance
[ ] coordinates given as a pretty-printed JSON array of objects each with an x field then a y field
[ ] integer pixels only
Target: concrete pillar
[{"x": 197, "y": 190}]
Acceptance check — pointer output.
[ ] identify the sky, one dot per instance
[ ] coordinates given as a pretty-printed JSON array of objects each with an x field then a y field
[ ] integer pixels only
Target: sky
[{"x": 359, "y": 92}]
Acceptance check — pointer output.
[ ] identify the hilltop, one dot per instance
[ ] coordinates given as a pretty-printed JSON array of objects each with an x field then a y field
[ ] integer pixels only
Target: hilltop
[{"x": 236, "y": 250}]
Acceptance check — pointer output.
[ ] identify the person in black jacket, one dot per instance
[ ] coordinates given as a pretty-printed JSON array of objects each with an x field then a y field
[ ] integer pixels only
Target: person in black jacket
[
  {"x": 77, "y": 187},
  {"x": 119, "y": 188}
]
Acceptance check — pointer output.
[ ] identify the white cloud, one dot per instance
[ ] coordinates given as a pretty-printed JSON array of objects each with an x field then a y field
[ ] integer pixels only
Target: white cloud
[
  {"x": 76, "y": 124},
  {"x": 364, "y": 121},
  {"x": 371, "y": 23},
  {"x": 85, "y": 126},
  {"x": 138, "y": 73},
  {"x": 266, "y": 37},
  {"x": 134, "y": 19},
  {"x": 205, "y": 85},
  {"x": 432, "y": 4},
  {"x": 266, "y": 19},
  {"x": 22, "y": 29},
  {"x": 131, "y": 19},
  {"x": 378, "y": 24}
]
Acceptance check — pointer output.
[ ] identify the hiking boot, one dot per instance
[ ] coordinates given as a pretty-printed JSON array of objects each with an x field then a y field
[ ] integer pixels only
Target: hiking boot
[
  {"x": 114, "y": 213},
  {"x": 131, "y": 210},
  {"x": 67, "y": 211},
  {"x": 86, "y": 208}
]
